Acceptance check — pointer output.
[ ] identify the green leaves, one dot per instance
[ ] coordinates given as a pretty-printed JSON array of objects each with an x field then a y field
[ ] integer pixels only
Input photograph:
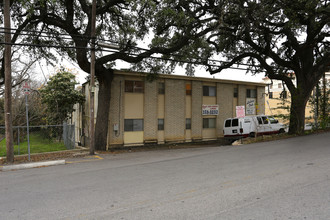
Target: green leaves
[{"x": 60, "y": 96}]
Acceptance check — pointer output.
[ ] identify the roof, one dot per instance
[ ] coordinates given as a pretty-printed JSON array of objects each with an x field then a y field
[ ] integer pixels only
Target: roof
[{"x": 190, "y": 78}]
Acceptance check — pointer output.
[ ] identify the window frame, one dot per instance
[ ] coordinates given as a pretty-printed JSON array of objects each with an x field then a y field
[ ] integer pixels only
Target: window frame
[
  {"x": 132, "y": 86},
  {"x": 271, "y": 95},
  {"x": 134, "y": 125},
  {"x": 250, "y": 94},
  {"x": 236, "y": 92},
  {"x": 160, "y": 124},
  {"x": 206, "y": 125},
  {"x": 207, "y": 91},
  {"x": 188, "y": 89},
  {"x": 188, "y": 123},
  {"x": 284, "y": 95},
  {"x": 161, "y": 88}
]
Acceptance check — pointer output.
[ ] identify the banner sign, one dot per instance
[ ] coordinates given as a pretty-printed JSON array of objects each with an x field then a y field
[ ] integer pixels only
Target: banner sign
[
  {"x": 240, "y": 111},
  {"x": 250, "y": 106},
  {"x": 210, "y": 109}
]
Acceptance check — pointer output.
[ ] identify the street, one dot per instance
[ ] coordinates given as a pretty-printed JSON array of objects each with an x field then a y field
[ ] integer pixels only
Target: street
[{"x": 285, "y": 179}]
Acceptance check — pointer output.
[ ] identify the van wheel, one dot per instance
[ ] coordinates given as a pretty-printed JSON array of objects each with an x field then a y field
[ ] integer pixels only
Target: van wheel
[
  {"x": 252, "y": 134},
  {"x": 281, "y": 131}
]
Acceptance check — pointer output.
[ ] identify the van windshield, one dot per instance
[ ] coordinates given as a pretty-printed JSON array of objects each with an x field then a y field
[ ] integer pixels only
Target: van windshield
[{"x": 272, "y": 120}]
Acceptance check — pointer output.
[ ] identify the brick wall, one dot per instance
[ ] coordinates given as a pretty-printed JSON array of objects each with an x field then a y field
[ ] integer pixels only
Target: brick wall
[
  {"x": 174, "y": 110},
  {"x": 225, "y": 96},
  {"x": 241, "y": 95},
  {"x": 196, "y": 111},
  {"x": 150, "y": 111},
  {"x": 116, "y": 110}
]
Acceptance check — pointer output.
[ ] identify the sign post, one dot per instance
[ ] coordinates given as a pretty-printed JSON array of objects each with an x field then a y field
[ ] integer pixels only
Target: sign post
[{"x": 26, "y": 89}]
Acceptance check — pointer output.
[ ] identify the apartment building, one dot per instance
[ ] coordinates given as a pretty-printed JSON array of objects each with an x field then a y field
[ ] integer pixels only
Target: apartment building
[{"x": 170, "y": 108}]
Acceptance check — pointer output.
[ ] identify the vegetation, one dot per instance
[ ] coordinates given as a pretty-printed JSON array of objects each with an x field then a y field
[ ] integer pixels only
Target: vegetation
[
  {"x": 38, "y": 144},
  {"x": 59, "y": 96},
  {"x": 275, "y": 37},
  {"x": 320, "y": 103},
  {"x": 66, "y": 25}
]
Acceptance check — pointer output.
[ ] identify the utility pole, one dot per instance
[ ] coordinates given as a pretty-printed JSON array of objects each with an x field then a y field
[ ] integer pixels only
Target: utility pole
[
  {"x": 92, "y": 84},
  {"x": 324, "y": 101},
  {"x": 8, "y": 93}
]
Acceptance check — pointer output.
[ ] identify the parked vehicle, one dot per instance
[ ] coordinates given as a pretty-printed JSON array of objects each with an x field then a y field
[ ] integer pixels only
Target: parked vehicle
[{"x": 250, "y": 126}]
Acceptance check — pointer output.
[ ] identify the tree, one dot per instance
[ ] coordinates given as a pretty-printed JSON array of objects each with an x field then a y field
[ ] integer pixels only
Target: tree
[
  {"x": 59, "y": 96},
  {"x": 66, "y": 26},
  {"x": 273, "y": 36},
  {"x": 320, "y": 104},
  {"x": 22, "y": 22}
]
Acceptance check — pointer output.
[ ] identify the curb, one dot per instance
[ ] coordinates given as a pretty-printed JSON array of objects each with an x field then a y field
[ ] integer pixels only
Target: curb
[{"x": 32, "y": 165}]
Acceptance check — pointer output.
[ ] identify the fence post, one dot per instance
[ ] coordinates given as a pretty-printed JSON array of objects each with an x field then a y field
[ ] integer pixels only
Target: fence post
[{"x": 18, "y": 140}]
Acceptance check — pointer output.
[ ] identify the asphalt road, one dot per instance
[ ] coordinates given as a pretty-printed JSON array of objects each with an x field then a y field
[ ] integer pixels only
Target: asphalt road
[{"x": 286, "y": 179}]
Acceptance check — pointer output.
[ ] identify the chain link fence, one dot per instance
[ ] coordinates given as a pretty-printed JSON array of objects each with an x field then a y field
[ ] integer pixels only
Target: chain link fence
[{"x": 42, "y": 138}]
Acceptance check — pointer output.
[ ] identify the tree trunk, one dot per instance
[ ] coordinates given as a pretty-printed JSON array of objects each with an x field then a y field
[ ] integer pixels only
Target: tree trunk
[
  {"x": 102, "y": 118},
  {"x": 297, "y": 113}
]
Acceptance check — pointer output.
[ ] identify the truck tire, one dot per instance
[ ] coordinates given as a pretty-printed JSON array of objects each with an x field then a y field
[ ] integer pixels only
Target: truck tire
[
  {"x": 252, "y": 134},
  {"x": 281, "y": 131}
]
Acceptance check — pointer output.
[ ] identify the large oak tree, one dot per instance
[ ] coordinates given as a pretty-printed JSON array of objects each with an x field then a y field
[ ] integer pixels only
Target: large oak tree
[
  {"x": 276, "y": 37},
  {"x": 66, "y": 26}
]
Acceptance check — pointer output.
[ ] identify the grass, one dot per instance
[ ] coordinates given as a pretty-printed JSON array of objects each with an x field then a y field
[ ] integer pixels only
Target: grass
[{"x": 38, "y": 144}]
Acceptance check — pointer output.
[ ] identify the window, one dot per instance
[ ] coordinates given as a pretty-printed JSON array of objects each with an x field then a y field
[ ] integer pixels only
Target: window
[
  {"x": 273, "y": 120},
  {"x": 188, "y": 123},
  {"x": 209, "y": 91},
  {"x": 134, "y": 86},
  {"x": 271, "y": 86},
  {"x": 270, "y": 95},
  {"x": 234, "y": 122},
  {"x": 228, "y": 123},
  {"x": 188, "y": 89},
  {"x": 208, "y": 122},
  {"x": 133, "y": 125},
  {"x": 265, "y": 120},
  {"x": 280, "y": 85},
  {"x": 251, "y": 93},
  {"x": 283, "y": 95},
  {"x": 161, "y": 88},
  {"x": 160, "y": 124},
  {"x": 259, "y": 120},
  {"x": 235, "y": 92}
]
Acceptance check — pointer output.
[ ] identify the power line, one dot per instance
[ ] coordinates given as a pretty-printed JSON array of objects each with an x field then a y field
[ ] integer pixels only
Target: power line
[
  {"x": 105, "y": 40},
  {"x": 35, "y": 33},
  {"x": 132, "y": 54},
  {"x": 114, "y": 51}
]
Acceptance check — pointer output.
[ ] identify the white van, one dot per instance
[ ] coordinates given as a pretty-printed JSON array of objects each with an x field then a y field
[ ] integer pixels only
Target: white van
[{"x": 250, "y": 126}]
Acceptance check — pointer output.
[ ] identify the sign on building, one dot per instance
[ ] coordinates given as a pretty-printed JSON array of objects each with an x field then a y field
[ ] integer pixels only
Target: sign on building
[
  {"x": 240, "y": 111},
  {"x": 210, "y": 109},
  {"x": 250, "y": 106}
]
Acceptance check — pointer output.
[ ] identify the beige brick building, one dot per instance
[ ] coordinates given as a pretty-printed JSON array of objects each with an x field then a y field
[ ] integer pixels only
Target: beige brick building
[{"x": 171, "y": 108}]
